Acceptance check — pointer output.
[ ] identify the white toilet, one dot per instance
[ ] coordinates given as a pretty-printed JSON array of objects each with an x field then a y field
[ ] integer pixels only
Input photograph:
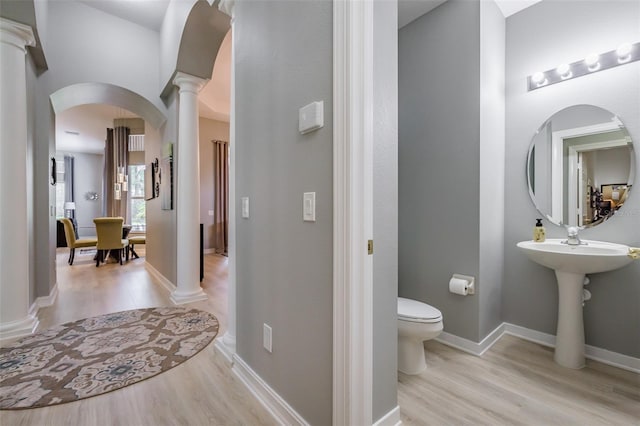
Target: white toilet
[{"x": 417, "y": 322}]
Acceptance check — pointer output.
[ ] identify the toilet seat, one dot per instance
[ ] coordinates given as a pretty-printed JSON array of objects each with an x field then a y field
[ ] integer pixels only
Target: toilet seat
[{"x": 415, "y": 311}]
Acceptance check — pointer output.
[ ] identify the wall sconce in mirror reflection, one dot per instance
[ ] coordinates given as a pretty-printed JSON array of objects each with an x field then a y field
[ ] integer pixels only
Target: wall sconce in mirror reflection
[
  {"x": 593, "y": 62},
  {"x": 91, "y": 196}
]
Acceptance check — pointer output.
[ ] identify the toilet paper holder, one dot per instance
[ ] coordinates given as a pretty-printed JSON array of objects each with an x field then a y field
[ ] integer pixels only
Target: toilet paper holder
[{"x": 471, "y": 287}]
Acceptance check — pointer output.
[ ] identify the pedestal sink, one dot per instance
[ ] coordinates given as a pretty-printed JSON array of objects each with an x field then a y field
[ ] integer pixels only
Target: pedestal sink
[{"x": 571, "y": 263}]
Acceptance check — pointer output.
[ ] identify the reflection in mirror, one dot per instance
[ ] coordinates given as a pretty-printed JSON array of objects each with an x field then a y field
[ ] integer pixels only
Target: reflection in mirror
[{"x": 581, "y": 166}]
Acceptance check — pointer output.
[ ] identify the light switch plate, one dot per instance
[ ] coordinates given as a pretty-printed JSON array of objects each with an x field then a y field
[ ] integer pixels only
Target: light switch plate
[
  {"x": 245, "y": 207},
  {"x": 311, "y": 117},
  {"x": 266, "y": 337},
  {"x": 210, "y": 212},
  {"x": 309, "y": 207}
]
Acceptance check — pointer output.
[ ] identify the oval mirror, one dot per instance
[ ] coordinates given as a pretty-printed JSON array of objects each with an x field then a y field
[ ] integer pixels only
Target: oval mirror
[{"x": 581, "y": 166}]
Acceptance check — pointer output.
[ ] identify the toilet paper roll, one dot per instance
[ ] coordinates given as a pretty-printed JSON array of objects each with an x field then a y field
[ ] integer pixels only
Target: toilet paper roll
[{"x": 458, "y": 286}]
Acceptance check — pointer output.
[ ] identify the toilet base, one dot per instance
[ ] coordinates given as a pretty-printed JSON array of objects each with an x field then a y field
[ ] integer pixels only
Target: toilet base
[{"x": 411, "y": 356}]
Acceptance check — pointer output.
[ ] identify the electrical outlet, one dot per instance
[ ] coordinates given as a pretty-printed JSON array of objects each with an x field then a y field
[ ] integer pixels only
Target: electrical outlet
[
  {"x": 266, "y": 337},
  {"x": 210, "y": 212}
]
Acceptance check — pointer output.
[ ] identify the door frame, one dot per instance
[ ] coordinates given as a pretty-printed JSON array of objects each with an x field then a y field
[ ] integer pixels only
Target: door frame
[{"x": 352, "y": 210}]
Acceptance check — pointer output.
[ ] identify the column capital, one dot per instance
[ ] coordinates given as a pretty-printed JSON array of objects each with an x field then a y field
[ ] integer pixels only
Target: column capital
[
  {"x": 16, "y": 34},
  {"x": 189, "y": 83},
  {"x": 227, "y": 7}
]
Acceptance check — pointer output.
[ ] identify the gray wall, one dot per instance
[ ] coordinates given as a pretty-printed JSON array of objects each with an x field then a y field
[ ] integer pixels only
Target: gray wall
[
  {"x": 209, "y": 131},
  {"x": 571, "y": 30},
  {"x": 88, "y": 170},
  {"x": 283, "y": 53},
  {"x": 385, "y": 208},
  {"x": 492, "y": 149},
  {"x": 438, "y": 157},
  {"x": 161, "y": 224},
  {"x": 83, "y": 45}
]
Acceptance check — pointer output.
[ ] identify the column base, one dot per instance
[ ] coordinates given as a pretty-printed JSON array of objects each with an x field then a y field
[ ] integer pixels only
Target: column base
[
  {"x": 20, "y": 328},
  {"x": 226, "y": 346},
  {"x": 181, "y": 298}
]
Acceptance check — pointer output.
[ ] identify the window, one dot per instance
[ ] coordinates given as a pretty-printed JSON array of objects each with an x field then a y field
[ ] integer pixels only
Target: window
[
  {"x": 60, "y": 186},
  {"x": 137, "y": 206}
]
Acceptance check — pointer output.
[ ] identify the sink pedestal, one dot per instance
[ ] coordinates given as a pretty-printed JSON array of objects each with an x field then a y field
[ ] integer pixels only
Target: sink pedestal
[
  {"x": 570, "y": 335},
  {"x": 572, "y": 263}
]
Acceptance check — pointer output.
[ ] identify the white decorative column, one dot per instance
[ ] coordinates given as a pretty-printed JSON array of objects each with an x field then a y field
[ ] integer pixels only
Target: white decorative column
[
  {"x": 15, "y": 319},
  {"x": 188, "y": 192},
  {"x": 227, "y": 345}
]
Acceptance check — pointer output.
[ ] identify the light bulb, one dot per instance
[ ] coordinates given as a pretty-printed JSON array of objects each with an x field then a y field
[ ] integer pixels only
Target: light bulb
[
  {"x": 564, "y": 70},
  {"x": 624, "y": 52},
  {"x": 539, "y": 79},
  {"x": 592, "y": 61}
]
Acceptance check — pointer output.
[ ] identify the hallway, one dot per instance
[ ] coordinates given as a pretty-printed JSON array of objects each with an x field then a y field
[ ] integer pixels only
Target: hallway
[{"x": 182, "y": 395}]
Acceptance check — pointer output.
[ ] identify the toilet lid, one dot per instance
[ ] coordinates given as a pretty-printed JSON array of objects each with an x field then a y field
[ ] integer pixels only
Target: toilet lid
[{"x": 414, "y": 311}]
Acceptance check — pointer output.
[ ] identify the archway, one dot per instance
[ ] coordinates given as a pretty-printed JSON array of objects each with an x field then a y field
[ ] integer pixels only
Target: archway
[
  {"x": 84, "y": 94},
  {"x": 103, "y": 93}
]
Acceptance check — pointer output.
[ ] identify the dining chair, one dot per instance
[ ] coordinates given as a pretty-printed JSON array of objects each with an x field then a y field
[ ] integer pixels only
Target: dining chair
[
  {"x": 109, "y": 231},
  {"x": 74, "y": 243},
  {"x": 136, "y": 239}
]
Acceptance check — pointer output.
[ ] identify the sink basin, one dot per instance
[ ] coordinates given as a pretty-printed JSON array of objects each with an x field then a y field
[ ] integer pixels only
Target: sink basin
[
  {"x": 571, "y": 263},
  {"x": 594, "y": 257}
]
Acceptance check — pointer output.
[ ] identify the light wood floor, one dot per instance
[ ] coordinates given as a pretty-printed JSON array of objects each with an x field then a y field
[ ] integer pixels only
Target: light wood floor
[
  {"x": 201, "y": 391},
  {"x": 516, "y": 383}
]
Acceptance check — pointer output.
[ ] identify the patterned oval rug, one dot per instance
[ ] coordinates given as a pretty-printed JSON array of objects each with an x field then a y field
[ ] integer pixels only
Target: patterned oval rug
[{"x": 97, "y": 355}]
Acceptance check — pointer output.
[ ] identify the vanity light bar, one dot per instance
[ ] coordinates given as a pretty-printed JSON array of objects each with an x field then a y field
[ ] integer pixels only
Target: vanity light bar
[{"x": 624, "y": 54}]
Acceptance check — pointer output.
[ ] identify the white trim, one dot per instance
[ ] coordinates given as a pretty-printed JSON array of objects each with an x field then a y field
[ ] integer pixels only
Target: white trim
[
  {"x": 227, "y": 351},
  {"x": 209, "y": 251},
  {"x": 392, "y": 418},
  {"x": 227, "y": 345},
  {"x": 168, "y": 285},
  {"x": 282, "y": 412},
  {"x": 469, "y": 346},
  {"x": 352, "y": 212},
  {"x": 604, "y": 356},
  {"x": 44, "y": 301},
  {"x": 20, "y": 328},
  {"x": 614, "y": 359},
  {"x": 534, "y": 336}
]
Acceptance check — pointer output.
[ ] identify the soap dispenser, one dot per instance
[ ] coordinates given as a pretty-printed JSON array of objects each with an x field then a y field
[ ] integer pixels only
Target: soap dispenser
[{"x": 539, "y": 233}]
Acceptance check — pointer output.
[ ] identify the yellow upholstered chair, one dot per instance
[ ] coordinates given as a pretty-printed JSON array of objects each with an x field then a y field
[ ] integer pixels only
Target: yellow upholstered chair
[
  {"x": 74, "y": 243},
  {"x": 109, "y": 231},
  {"x": 136, "y": 239}
]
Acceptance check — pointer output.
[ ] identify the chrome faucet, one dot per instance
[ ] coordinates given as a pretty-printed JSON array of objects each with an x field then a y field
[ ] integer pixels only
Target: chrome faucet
[{"x": 572, "y": 237}]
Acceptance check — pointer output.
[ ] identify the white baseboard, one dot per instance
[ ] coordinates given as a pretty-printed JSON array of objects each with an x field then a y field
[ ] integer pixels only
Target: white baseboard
[
  {"x": 44, "y": 301},
  {"x": 392, "y": 418},
  {"x": 209, "y": 251},
  {"x": 469, "y": 346},
  {"x": 168, "y": 285},
  {"x": 282, "y": 412},
  {"x": 226, "y": 346},
  {"x": 604, "y": 356}
]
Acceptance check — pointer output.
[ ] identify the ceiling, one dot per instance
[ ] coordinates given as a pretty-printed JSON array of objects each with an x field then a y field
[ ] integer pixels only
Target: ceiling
[
  {"x": 409, "y": 10},
  {"x": 214, "y": 99},
  {"x": 148, "y": 13},
  {"x": 84, "y": 128}
]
